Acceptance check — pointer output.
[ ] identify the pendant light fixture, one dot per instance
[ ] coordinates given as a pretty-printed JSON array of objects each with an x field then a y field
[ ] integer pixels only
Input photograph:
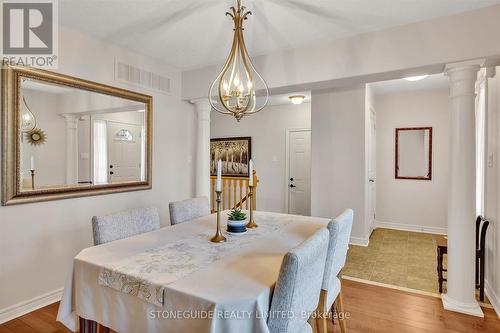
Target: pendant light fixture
[
  {"x": 28, "y": 120},
  {"x": 238, "y": 90}
]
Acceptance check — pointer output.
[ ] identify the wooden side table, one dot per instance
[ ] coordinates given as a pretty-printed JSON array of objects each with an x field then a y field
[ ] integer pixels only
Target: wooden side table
[{"x": 442, "y": 249}]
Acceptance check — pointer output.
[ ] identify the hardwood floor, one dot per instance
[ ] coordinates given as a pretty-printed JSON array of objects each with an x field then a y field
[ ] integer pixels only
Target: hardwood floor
[{"x": 372, "y": 309}]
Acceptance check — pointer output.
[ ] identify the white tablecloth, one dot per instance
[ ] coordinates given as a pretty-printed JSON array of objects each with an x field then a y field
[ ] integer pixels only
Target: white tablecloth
[{"x": 230, "y": 292}]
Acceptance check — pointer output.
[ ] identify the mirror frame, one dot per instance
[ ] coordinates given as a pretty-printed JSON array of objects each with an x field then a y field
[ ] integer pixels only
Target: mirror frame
[
  {"x": 396, "y": 163},
  {"x": 11, "y": 137}
]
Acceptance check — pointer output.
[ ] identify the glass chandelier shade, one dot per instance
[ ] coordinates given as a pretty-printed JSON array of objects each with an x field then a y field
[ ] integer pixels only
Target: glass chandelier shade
[
  {"x": 238, "y": 90},
  {"x": 28, "y": 120}
]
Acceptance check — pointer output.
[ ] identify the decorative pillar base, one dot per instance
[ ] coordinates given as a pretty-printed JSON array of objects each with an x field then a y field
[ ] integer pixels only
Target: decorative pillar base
[{"x": 472, "y": 309}]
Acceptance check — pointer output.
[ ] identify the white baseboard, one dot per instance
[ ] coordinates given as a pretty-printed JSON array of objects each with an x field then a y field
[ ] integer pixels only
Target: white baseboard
[
  {"x": 411, "y": 227},
  {"x": 492, "y": 297},
  {"x": 359, "y": 241},
  {"x": 19, "y": 309}
]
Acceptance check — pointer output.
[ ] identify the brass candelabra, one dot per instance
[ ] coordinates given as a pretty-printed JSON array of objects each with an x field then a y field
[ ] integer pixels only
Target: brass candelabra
[
  {"x": 251, "y": 223},
  {"x": 218, "y": 237}
]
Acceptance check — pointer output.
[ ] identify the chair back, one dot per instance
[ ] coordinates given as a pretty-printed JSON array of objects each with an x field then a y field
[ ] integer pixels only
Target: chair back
[
  {"x": 124, "y": 224},
  {"x": 299, "y": 284},
  {"x": 481, "y": 228},
  {"x": 186, "y": 210},
  {"x": 340, "y": 233}
]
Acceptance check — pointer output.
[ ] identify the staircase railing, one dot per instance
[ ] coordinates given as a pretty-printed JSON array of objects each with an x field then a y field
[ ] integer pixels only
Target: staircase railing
[{"x": 234, "y": 192}]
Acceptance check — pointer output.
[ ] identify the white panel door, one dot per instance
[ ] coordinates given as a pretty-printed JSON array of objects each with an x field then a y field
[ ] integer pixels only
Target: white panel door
[
  {"x": 299, "y": 182},
  {"x": 124, "y": 155}
]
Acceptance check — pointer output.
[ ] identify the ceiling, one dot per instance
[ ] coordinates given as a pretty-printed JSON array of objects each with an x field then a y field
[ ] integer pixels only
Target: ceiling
[
  {"x": 194, "y": 33},
  {"x": 432, "y": 82}
]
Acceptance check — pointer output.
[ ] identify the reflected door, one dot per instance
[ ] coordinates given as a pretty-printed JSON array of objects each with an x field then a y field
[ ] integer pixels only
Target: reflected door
[
  {"x": 124, "y": 152},
  {"x": 299, "y": 182}
]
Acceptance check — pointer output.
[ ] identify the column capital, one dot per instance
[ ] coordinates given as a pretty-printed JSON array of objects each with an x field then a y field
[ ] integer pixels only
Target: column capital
[
  {"x": 201, "y": 102},
  {"x": 71, "y": 120},
  {"x": 475, "y": 64},
  {"x": 202, "y": 107},
  {"x": 463, "y": 77}
]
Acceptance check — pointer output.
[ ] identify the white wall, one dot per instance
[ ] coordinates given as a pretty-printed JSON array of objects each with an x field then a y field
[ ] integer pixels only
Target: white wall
[
  {"x": 417, "y": 204},
  {"x": 268, "y": 131},
  {"x": 338, "y": 156},
  {"x": 492, "y": 204},
  {"x": 50, "y": 157},
  {"x": 38, "y": 241}
]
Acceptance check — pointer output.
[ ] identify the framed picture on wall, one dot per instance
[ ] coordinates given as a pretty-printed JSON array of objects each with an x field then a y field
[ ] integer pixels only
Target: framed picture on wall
[{"x": 235, "y": 154}]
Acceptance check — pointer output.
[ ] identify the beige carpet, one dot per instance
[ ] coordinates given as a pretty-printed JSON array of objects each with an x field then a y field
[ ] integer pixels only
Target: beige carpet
[{"x": 399, "y": 258}]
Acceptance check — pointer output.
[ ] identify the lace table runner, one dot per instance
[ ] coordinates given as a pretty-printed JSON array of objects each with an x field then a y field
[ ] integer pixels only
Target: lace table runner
[{"x": 145, "y": 275}]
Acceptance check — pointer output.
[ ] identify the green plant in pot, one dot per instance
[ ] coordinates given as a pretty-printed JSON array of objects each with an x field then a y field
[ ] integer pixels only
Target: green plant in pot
[{"x": 237, "y": 220}]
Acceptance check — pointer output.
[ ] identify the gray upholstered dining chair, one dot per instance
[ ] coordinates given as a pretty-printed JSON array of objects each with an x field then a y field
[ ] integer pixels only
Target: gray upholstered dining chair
[
  {"x": 340, "y": 233},
  {"x": 190, "y": 209},
  {"x": 124, "y": 224},
  {"x": 298, "y": 287}
]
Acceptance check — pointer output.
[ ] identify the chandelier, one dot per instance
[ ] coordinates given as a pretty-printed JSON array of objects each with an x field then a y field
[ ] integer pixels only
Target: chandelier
[{"x": 238, "y": 90}]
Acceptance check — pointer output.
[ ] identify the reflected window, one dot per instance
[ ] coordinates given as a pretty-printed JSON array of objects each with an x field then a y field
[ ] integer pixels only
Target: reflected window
[{"x": 124, "y": 135}]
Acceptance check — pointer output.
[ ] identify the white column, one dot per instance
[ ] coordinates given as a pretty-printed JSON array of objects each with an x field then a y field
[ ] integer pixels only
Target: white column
[
  {"x": 203, "y": 108},
  {"x": 460, "y": 296},
  {"x": 71, "y": 149}
]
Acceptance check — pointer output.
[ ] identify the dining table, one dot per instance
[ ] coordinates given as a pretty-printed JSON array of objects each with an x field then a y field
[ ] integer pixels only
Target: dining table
[{"x": 175, "y": 280}]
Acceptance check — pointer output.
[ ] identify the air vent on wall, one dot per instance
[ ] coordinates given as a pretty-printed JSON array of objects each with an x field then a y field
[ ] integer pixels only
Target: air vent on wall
[{"x": 140, "y": 77}]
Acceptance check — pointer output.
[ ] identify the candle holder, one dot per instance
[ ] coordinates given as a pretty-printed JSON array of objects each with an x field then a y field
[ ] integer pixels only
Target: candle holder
[
  {"x": 251, "y": 223},
  {"x": 218, "y": 237},
  {"x": 32, "y": 179}
]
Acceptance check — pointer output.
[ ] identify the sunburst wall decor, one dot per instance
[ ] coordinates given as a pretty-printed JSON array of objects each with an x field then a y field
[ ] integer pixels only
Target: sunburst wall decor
[{"x": 36, "y": 137}]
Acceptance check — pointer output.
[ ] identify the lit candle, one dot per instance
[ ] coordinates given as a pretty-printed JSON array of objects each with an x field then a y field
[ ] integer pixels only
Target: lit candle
[
  {"x": 218, "y": 185},
  {"x": 32, "y": 163},
  {"x": 250, "y": 174}
]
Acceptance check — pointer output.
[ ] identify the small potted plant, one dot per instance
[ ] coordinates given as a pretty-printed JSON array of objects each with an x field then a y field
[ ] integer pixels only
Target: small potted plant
[{"x": 236, "y": 222}]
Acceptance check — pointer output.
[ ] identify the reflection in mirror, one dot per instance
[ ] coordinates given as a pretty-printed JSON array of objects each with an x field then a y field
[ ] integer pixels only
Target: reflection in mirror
[
  {"x": 73, "y": 137},
  {"x": 414, "y": 153}
]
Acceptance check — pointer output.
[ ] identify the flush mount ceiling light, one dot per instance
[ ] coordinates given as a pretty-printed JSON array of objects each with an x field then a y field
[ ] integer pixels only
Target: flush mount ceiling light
[
  {"x": 297, "y": 99},
  {"x": 238, "y": 90},
  {"x": 415, "y": 78}
]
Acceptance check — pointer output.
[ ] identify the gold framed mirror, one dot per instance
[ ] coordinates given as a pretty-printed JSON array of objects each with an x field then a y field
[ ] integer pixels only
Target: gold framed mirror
[{"x": 65, "y": 137}]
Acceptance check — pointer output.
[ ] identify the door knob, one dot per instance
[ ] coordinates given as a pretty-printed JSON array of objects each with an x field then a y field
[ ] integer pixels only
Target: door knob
[
  {"x": 111, "y": 173},
  {"x": 111, "y": 166},
  {"x": 291, "y": 179},
  {"x": 291, "y": 185},
  {"x": 372, "y": 180}
]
